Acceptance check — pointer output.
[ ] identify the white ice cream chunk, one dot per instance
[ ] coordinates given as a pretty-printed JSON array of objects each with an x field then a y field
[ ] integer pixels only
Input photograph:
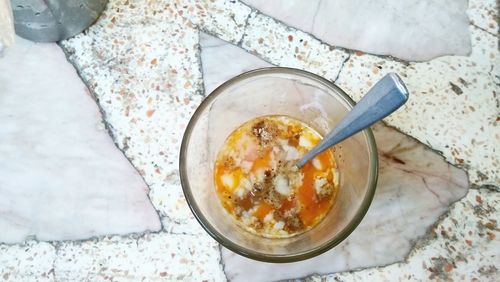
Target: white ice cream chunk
[
  {"x": 245, "y": 184},
  {"x": 246, "y": 166},
  {"x": 295, "y": 179},
  {"x": 268, "y": 217},
  {"x": 291, "y": 153},
  {"x": 239, "y": 192},
  {"x": 279, "y": 225},
  {"x": 227, "y": 180},
  {"x": 247, "y": 218},
  {"x": 281, "y": 185},
  {"x": 259, "y": 175},
  {"x": 304, "y": 142},
  {"x": 243, "y": 188},
  {"x": 317, "y": 164},
  {"x": 318, "y": 183},
  {"x": 276, "y": 150}
]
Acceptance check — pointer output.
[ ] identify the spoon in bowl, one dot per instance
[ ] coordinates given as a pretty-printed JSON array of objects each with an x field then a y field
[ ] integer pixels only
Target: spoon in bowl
[{"x": 386, "y": 96}]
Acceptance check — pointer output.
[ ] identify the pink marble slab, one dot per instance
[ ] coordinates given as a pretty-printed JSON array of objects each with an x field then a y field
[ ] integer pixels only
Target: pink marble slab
[{"x": 61, "y": 175}]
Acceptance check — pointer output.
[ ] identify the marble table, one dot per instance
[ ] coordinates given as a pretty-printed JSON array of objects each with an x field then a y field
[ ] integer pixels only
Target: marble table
[{"x": 91, "y": 129}]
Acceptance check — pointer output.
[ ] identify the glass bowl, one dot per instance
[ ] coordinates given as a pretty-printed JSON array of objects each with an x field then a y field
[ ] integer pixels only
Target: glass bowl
[{"x": 276, "y": 91}]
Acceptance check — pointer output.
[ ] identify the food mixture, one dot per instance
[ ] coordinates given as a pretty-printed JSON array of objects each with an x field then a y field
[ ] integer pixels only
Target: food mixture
[{"x": 259, "y": 185}]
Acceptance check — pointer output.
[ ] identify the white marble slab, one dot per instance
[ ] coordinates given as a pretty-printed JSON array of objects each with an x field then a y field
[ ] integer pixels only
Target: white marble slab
[
  {"x": 412, "y": 30},
  {"x": 215, "y": 51},
  {"x": 61, "y": 176},
  {"x": 415, "y": 187}
]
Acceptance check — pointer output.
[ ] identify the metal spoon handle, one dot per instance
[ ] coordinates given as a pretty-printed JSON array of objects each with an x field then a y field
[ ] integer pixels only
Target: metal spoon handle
[{"x": 386, "y": 96}]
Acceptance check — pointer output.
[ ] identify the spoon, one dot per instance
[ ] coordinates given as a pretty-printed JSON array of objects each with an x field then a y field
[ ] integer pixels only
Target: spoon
[{"x": 386, "y": 96}]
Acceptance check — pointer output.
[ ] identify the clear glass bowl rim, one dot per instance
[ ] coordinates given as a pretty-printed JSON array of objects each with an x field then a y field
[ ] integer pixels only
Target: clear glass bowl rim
[{"x": 372, "y": 181}]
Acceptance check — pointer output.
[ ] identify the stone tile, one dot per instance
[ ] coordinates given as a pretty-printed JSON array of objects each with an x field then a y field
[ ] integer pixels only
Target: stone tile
[{"x": 214, "y": 51}]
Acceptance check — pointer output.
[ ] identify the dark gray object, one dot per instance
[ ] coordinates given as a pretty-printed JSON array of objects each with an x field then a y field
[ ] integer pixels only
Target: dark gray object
[{"x": 54, "y": 20}]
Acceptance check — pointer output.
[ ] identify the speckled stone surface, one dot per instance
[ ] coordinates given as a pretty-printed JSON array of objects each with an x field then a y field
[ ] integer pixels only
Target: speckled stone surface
[
  {"x": 152, "y": 256},
  {"x": 141, "y": 61},
  {"x": 484, "y": 14},
  {"x": 148, "y": 257}
]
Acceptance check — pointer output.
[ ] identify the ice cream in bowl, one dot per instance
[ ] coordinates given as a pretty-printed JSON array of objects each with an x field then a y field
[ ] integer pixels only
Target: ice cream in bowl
[{"x": 238, "y": 166}]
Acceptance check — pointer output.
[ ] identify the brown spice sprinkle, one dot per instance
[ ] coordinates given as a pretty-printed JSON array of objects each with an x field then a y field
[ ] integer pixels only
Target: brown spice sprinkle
[
  {"x": 264, "y": 131},
  {"x": 245, "y": 202},
  {"x": 326, "y": 191},
  {"x": 293, "y": 224},
  {"x": 229, "y": 162}
]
